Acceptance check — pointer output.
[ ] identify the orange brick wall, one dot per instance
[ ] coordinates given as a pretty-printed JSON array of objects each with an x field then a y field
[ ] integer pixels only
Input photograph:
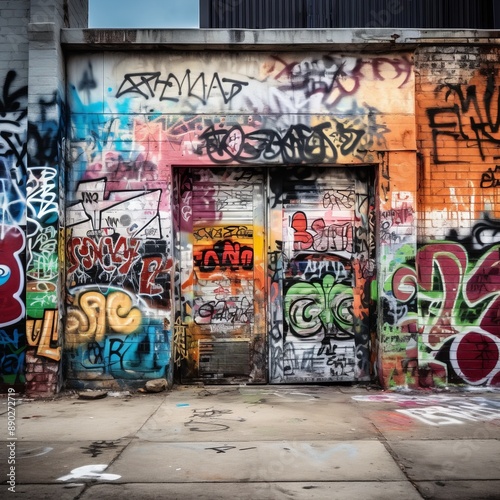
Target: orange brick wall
[
  {"x": 457, "y": 115},
  {"x": 458, "y": 259}
]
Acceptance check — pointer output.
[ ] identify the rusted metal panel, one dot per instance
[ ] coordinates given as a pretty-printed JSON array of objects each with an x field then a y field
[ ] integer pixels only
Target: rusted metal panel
[{"x": 224, "y": 358}]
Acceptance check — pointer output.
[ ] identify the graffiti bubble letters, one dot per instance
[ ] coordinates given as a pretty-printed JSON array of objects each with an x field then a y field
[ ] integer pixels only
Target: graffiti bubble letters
[
  {"x": 97, "y": 313},
  {"x": 150, "y": 84},
  {"x": 458, "y": 302},
  {"x": 321, "y": 237},
  {"x": 225, "y": 254}
]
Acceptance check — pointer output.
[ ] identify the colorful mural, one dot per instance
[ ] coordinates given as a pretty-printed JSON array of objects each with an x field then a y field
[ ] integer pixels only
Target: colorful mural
[
  {"x": 458, "y": 300},
  {"x": 13, "y": 176},
  {"x": 366, "y": 189},
  {"x": 440, "y": 318},
  {"x": 135, "y": 225},
  {"x": 118, "y": 248},
  {"x": 133, "y": 119},
  {"x": 286, "y": 216}
]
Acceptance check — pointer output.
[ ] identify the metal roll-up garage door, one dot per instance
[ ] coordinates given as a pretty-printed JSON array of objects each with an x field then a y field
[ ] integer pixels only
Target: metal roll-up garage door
[
  {"x": 223, "y": 275},
  {"x": 319, "y": 290}
]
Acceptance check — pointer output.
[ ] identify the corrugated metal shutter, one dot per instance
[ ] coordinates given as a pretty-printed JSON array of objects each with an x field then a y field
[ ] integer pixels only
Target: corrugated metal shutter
[
  {"x": 223, "y": 256},
  {"x": 265, "y": 14},
  {"x": 318, "y": 289}
]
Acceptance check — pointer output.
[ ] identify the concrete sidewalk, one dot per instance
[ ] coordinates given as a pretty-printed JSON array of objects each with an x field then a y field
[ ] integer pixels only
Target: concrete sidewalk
[{"x": 258, "y": 442}]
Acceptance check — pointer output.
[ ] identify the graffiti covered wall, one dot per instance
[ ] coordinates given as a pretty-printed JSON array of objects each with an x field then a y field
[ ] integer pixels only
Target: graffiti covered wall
[
  {"x": 220, "y": 313},
  {"x": 118, "y": 241},
  {"x": 454, "y": 283},
  {"x": 136, "y": 117},
  {"x": 381, "y": 263},
  {"x": 32, "y": 130},
  {"x": 320, "y": 300},
  {"x": 13, "y": 175}
]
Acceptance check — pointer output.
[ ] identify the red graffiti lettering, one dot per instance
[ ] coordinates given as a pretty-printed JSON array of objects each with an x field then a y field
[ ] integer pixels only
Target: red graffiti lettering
[
  {"x": 226, "y": 254},
  {"x": 151, "y": 268},
  {"x": 112, "y": 255},
  {"x": 302, "y": 240},
  {"x": 11, "y": 276}
]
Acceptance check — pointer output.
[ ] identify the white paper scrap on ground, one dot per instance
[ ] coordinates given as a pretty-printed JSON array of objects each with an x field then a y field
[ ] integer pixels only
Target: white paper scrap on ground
[{"x": 90, "y": 472}]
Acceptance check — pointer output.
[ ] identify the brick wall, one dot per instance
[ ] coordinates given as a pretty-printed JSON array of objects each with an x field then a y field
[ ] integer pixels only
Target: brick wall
[
  {"x": 14, "y": 32},
  {"x": 77, "y": 14},
  {"x": 13, "y": 134},
  {"x": 457, "y": 97},
  {"x": 45, "y": 215}
]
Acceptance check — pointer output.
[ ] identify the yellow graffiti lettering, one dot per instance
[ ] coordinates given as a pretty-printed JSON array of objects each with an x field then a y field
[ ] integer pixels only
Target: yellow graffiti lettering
[
  {"x": 93, "y": 305},
  {"x": 97, "y": 315},
  {"x": 122, "y": 316},
  {"x": 43, "y": 334}
]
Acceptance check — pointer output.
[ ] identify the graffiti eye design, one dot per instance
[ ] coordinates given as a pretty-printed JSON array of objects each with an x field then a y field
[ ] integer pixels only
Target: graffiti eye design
[
  {"x": 304, "y": 316},
  {"x": 324, "y": 307},
  {"x": 5, "y": 274},
  {"x": 342, "y": 309}
]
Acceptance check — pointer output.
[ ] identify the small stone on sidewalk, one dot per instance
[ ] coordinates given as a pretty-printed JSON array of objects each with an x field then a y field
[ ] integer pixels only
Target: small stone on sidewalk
[
  {"x": 92, "y": 394},
  {"x": 156, "y": 385}
]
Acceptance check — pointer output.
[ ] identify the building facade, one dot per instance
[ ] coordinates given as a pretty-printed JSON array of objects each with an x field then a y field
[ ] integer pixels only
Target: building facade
[{"x": 242, "y": 206}]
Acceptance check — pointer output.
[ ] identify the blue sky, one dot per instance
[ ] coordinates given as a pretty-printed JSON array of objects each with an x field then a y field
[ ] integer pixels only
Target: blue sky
[{"x": 143, "y": 13}]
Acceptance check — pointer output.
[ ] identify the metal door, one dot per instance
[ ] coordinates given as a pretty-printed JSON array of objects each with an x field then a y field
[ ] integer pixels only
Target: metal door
[
  {"x": 320, "y": 269},
  {"x": 220, "y": 328}
]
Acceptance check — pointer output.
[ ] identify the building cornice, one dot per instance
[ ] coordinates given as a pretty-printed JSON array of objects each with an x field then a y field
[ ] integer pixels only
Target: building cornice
[{"x": 274, "y": 39}]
